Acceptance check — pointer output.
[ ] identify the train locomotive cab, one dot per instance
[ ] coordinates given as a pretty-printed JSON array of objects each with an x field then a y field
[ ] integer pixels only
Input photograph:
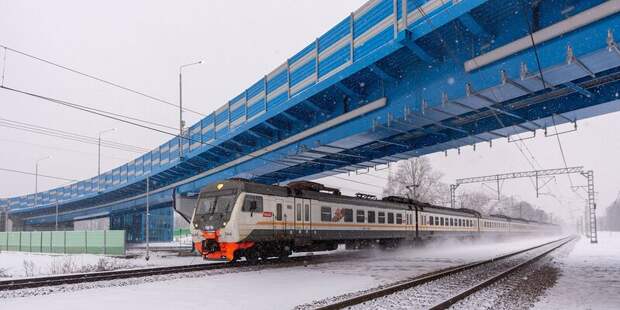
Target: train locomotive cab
[{"x": 212, "y": 232}]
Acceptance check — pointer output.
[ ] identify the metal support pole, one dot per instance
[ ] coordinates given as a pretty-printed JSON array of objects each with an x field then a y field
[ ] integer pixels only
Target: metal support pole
[
  {"x": 148, "y": 191},
  {"x": 56, "y": 215},
  {"x": 453, "y": 195},
  {"x": 591, "y": 207},
  {"x": 36, "y": 183},
  {"x": 181, "y": 123}
]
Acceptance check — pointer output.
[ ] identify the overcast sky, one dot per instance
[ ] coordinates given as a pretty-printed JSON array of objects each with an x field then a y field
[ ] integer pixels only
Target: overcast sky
[{"x": 140, "y": 44}]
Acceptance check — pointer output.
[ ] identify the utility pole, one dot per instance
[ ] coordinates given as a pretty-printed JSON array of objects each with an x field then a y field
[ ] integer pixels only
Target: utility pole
[
  {"x": 99, "y": 158},
  {"x": 148, "y": 191},
  {"x": 36, "y": 179},
  {"x": 181, "y": 122}
]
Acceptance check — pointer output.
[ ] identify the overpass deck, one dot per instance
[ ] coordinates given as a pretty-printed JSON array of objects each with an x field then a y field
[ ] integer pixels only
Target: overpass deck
[{"x": 379, "y": 86}]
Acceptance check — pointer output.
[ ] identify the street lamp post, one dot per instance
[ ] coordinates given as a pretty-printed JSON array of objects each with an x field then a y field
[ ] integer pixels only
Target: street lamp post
[
  {"x": 99, "y": 157},
  {"x": 36, "y": 179},
  {"x": 181, "y": 122}
]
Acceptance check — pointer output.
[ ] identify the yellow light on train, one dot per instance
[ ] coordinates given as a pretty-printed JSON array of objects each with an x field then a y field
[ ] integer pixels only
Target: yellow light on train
[{"x": 220, "y": 186}]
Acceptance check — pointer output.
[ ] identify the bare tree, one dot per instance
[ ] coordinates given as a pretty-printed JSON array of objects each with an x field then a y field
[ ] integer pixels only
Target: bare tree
[
  {"x": 474, "y": 200},
  {"x": 415, "y": 177}
]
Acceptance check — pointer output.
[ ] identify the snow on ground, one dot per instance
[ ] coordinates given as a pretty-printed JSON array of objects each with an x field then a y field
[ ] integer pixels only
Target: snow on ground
[
  {"x": 590, "y": 276},
  {"x": 22, "y": 264},
  {"x": 276, "y": 288}
]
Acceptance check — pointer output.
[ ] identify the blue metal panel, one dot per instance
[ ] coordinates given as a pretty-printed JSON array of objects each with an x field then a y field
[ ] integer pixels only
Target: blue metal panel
[
  {"x": 333, "y": 35},
  {"x": 221, "y": 117},
  {"x": 155, "y": 159},
  {"x": 256, "y": 107},
  {"x": 131, "y": 170},
  {"x": 124, "y": 174},
  {"x": 174, "y": 150},
  {"x": 335, "y": 60},
  {"x": 303, "y": 72},
  {"x": 116, "y": 177},
  {"x": 237, "y": 113},
  {"x": 196, "y": 137},
  {"x": 221, "y": 133},
  {"x": 164, "y": 154},
  {"x": 208, "y": 135},
  {"x": 302, "y": 53},
  {"x": 88, "y": 186},
  {"x": 147, "y": 164},
  {"x": 255, "y": 89},
  {"x": 239, "y": 97},
  {"x": 375, "y": 42},
  {"x": 209, "y": 120},
  {"x": 277, "y": 100},
  {"x": 139, "y": 166},
  {"x": 277, "y": 81},
  {"x": 379, "y": 12}
]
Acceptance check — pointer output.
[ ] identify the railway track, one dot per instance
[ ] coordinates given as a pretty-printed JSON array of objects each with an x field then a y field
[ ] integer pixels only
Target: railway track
[
  {"x": 34, "y": 282},
  {"x": 441, "y": 289}
]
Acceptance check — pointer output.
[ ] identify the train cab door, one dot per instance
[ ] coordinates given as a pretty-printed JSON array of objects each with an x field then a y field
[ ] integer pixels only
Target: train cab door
[{"x": 279, "y": 224}]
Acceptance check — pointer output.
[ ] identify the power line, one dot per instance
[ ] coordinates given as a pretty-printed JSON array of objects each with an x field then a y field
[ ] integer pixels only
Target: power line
[
  {"x": 97, "y": 79},
  {"x": 41, "y": 175},
  {"x": 86, "y": 109},
  {"x": 63, "y": 149},
  {"x": 69, "y": 135}
]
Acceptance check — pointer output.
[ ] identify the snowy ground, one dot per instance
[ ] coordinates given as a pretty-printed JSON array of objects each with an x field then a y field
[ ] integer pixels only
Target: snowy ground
[
  {"x": 20, "y": 264},
  {"x": 590, "y": 276},
  {"x": 275, "y": 288}
]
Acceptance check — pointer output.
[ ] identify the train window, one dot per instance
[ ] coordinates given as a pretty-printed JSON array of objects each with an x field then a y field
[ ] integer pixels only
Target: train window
[
  {"x": 399, "y": 218},
  {"x": 430, "y": 218},
  {"x": 298, "y": 212},
  {"x": 348, "y": 215},
  {"x": 451, "y": 222},
  {"x": 326, "y": 214},
  {"x": 306, "y": 213},
  {"x": 390, "y": 218},
  {"x": 441, "y": 221},
  {"x": 278, "y": 212},
  {"x": 360, "y": 216},
  {"x": 381, "y": 218},
  {"x": 460, "y": 222},
  {"x": 437, "y": 220},
  {"x": 371, "y": 216},
  {"x": 252, "y": 203}
]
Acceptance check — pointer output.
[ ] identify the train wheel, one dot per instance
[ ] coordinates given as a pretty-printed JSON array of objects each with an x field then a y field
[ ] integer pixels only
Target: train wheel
[{"x": 252, "y": 256}]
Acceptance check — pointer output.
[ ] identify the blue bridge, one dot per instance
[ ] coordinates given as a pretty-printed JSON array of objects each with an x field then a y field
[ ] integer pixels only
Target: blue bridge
[{"x": 394, "y": 79}]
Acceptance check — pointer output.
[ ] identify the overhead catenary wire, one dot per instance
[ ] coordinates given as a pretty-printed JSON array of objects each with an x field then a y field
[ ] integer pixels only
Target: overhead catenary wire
[
  {"x": 120, "y": 119},
  {"x": 69, "y": 135},
  {"x": 38, "y": 174},
  {"x": 64, "y": 149},
  {"x": 90, "y": 76}
]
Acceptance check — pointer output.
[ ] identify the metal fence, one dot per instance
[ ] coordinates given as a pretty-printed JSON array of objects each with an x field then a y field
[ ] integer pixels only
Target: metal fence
[{"x": 109, "y": 242}]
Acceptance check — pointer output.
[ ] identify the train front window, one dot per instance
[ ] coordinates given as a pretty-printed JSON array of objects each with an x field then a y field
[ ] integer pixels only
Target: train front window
[{"x": 213, "y": 212}]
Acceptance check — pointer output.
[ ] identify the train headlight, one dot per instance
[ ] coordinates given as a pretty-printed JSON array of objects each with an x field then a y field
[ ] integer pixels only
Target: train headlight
[
  {"x": 224, "y": 224},
  {"x": 208, "y": 227}
]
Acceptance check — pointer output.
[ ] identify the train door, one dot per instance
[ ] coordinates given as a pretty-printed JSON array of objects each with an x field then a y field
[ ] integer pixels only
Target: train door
[
  {"x": 279, "y": 225},
  {"x": 303, "y": 216},
  {"x": 288, "y": 215}
]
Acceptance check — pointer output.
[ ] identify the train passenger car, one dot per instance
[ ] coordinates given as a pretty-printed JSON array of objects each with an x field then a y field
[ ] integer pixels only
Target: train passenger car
[{"x": 237, "y": 218}]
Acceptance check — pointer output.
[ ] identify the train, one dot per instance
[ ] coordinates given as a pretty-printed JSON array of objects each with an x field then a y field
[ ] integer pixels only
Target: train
[{"x": 238, "y": 218}]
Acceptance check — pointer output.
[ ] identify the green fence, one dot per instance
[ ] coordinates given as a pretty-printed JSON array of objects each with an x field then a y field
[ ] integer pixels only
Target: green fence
[
  {"x": 181, "y": 232},
  {"x": 110, "y": 242}
]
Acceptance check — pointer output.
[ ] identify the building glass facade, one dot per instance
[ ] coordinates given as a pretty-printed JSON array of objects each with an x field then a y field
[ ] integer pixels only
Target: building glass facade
[{"x": 160, "y": 224}]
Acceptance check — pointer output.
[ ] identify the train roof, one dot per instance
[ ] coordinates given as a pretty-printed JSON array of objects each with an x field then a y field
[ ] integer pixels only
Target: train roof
[{"x": 313, "y": 190}]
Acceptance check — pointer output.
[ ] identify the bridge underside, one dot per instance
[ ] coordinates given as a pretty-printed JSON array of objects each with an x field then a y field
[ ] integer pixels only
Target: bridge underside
[{"x": 465, "y": 76}]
